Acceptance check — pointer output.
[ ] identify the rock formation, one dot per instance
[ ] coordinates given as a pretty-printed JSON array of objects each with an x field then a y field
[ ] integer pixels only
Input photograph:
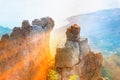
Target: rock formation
[
  {"x": 76, "y": 58},
  {"x": 25, "y": 53},
  {"x": 91, "y": 68}
]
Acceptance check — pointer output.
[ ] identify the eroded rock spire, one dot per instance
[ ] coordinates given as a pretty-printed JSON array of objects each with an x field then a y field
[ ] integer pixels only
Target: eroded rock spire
[{"x": 76, "y": 57}]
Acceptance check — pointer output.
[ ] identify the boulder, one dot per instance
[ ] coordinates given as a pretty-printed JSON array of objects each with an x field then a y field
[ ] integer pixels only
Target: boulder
[{"x": 73, "y": 33}]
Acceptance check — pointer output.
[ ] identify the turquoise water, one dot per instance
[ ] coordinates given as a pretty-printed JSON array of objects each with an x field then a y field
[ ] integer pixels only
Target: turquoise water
[
  {"x": 4, "y": 30},
  {"x": 106, "y": 40}
]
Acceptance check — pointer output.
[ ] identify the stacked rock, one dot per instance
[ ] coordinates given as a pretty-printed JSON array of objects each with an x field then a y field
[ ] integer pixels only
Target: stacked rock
[
  {"x": 72, "y": 58},
  {"x": 75, "y": 48}
]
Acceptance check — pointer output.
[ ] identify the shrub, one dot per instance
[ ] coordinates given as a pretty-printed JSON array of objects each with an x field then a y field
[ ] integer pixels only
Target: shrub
[
  {"x": 73, "y": 77},
  {"x": 52, "y": 75},
  {"x": 106, "y": 73}
]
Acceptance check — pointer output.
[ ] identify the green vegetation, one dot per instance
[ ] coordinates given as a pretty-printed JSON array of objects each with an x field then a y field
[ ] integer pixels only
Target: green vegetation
[
  {"x": 106, "y": 73},
  {"x": 73, "y": 77},
  {"x": 52, "y": 75}
]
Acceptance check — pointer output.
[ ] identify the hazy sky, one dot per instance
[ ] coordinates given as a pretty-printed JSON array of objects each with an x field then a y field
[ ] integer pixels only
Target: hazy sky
[{"x": 12, "y": 12}]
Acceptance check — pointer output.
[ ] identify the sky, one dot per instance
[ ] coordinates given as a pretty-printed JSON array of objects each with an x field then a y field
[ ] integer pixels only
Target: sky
[{"x": 12, "y": 12}]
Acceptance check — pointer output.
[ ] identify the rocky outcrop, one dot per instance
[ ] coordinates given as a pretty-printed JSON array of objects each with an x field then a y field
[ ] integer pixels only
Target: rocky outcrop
[
  {"x": 76, "y": 58},
  {"x": 25, "y": 53},
  {"x": 91, "y": 68},
  {"x": 43, "y": 22},
  {"x": 5, "y": 37}
]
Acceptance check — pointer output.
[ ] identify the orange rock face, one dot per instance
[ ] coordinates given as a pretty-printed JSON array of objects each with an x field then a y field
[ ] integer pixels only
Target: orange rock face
[{"x": 25, "y": 54}]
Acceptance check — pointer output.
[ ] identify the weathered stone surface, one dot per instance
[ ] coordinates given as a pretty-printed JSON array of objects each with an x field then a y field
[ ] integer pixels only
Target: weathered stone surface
[
  {"x": 25, "y": 24},
  {"x": 38, "y": 25},
  {"x": 26, "y": 28},
  {"x": 16, "y": 33},
  {"x": 83, "y": 47},
  {"x": 46, "y": 23},
  {"x": 92, "y": 64},
  {"x": 5, "y": 37},
  {"x": 75, "y": 48},
  {"x": 76, "y": 58},
  {"x": 66, "y": 57},
  {"x": 36, "y": 22},
  {"x": 73, "y": 33},
  {"x": 25, "y": 55}
]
